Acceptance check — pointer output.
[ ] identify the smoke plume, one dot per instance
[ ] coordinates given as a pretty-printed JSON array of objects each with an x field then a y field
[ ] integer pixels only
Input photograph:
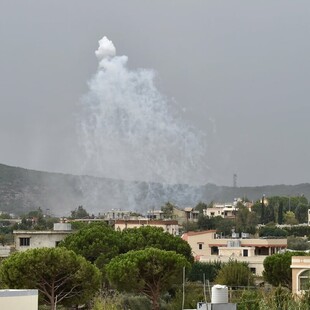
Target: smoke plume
[{"x": 129, "y": 132}]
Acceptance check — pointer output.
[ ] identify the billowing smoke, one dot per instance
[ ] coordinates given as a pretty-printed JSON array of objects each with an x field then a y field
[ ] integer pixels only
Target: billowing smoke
[{"x": 129, "y": 132}]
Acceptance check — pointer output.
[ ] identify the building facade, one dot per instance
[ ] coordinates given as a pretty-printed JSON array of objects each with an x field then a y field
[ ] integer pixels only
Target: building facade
[
  {"x": 300, "y": 266},
  {"x": 31, "y": 239},
  {"x": 208, "y": 246}
]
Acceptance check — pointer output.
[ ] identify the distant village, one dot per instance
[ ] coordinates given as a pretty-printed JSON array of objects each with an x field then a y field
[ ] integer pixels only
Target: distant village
[{"x": 200, "y": 226}]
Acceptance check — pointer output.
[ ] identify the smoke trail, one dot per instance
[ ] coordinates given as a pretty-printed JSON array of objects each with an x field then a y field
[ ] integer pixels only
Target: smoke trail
[{"x": 128, "y": 131}]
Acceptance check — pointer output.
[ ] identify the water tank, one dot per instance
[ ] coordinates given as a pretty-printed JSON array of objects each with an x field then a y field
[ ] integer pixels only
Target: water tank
[{"x": 219, "y": 294}]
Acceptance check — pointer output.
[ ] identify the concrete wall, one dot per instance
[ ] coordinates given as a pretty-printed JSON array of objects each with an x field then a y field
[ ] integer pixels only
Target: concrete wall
[
  {"x": 19, "y": 299},
  {"x": 39, "y": 239}
]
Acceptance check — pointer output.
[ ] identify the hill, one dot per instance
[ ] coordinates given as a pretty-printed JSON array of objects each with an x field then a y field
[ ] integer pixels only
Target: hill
[{"x": 22, "y": 190}]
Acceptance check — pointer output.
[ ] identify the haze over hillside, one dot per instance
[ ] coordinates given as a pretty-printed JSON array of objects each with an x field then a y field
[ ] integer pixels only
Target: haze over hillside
[{"x": 22, "y": 190}]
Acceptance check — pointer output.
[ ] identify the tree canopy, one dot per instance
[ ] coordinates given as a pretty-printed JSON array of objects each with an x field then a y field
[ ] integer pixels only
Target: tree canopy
[
  {"x": 235, "y": 273},
  {"x": 148, "y": 236},
  {"x": 60, "y": 275},
  {"x": 277, "y": 269},
  {"x": 99, "y": 243},
  {"x": 150, "y": 272},
  {"x": 79, "y": 213}
]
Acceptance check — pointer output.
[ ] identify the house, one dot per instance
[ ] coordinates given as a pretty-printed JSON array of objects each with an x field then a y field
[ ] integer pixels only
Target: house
[
  {"x": 183, "y": 216},
  {"x": 30, "y": 239},
  {"x": 226, "y": 210},
  {"x": 170, "y": 226},
  {"x": 300, "y": 266},
  {"x": 209, "y": 246}
]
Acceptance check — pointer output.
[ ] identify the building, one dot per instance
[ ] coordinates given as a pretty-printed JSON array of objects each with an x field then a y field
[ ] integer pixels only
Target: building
[
  {"x": 300, "y": 266},
  {"x": 226, "y": 210},
  {"x": 183, "y": 216},
  {"x": 30, "y": 239},
  {"x": 117, "y": 214},
  {"x": 19, "y": 299},
  {"x": 209, "y": 246},
  {"x": 169, "y": 226}
]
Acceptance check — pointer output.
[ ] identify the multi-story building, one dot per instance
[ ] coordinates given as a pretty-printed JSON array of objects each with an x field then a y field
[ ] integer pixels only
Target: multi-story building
[
  {"x": 208, "y": 246},
  {"x": 226, "y": 210}
]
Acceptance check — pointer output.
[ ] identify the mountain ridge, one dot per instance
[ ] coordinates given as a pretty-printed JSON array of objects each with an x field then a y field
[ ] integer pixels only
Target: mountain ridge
[{"x": 22, "y": 190}]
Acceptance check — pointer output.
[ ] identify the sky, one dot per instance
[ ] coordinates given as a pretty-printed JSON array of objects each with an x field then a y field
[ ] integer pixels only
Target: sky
[{"x": 232, "y": 76}]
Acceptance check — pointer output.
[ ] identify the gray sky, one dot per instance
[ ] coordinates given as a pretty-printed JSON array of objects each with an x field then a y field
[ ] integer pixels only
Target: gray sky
[{"x": 239, "y": 71}]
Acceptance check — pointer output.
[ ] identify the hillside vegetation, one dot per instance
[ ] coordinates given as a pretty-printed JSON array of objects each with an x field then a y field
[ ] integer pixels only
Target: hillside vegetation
[{"x": 22, "y": 190}]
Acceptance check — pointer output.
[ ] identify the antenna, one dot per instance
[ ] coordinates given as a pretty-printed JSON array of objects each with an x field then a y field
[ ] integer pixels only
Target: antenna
[{"x": 235, "y": 180}]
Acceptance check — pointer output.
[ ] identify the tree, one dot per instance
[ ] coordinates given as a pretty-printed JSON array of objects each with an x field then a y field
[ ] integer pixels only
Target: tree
[
  {"x": 148, "y": 236},
  {"x": 168, "y": 210},
  {"x": 297, "y": 243},
  {"x": 79, "y": 213},
  {"x": 301, "y": 213},
  {"x": 61, "y": 276},
  {"x": 97, "y": 242},
  {"x": 280, "y": 213},
  {"x": 235, "y": 273},
  {"x": 289, "y": 218},
  {"x": 150, "y": 272},
  {"x": 246, "y": 221},
  {"x": 200, "y": 207},
  {"x": 272, "y": 231},
  {"x": 207, "y": 269},
  {"x": 277, "y": 269}
]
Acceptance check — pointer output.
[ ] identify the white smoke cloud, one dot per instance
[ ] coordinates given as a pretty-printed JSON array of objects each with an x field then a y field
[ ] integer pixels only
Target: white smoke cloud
[
  {"x": 106, "y": 49},
  {"x": 128, "y": 132}
]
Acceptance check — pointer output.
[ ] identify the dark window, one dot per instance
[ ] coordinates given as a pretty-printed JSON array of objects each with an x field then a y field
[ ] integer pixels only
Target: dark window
[
  {"x": 214, "y": 250},
  {"x": 200, "y": 246},
  {"x": 245, "y": 253},
  {"x": 253, "y": 270},
  {"x": 57, "y": 243},
  {"x": 24, "y": 241}
]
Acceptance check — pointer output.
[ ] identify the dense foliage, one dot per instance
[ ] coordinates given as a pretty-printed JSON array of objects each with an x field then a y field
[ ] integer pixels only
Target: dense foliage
[
  {"x": 235, "y": 274},
  {"x": 60, "y": 275},
  {"x": 150, "y": 272},
  {"x": 99, "y": 243},
  {"x": 201, "y": 271},
  {"x": 277, "y": 269}
]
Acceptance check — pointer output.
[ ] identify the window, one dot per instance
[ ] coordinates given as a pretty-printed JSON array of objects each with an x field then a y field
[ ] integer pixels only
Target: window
[
  {"x": 214, "y": 250},
  {"x": 24, "y": 241},
  {"x": 245, "y": 253},
  {"x": 304, "y": 280},
  {"x": 200, "y": 246},
  {"x": 253, "y": 270}
]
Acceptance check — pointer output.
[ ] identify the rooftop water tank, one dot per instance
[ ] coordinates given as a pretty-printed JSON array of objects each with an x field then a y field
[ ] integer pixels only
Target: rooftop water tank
[{"x": 219, "y": 294}]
